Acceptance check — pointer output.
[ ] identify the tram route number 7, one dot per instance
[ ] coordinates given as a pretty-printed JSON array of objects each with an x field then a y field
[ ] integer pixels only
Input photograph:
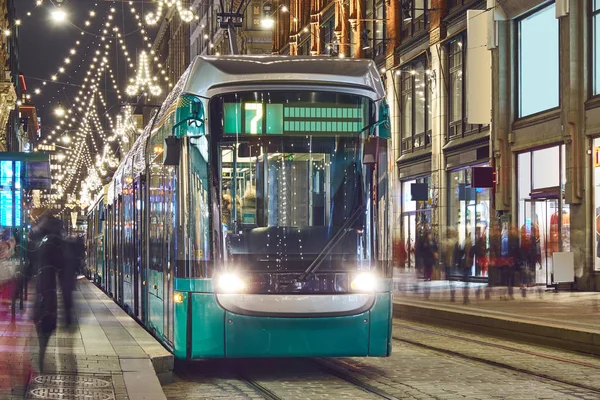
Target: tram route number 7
[{"x": 254, "y": 116}]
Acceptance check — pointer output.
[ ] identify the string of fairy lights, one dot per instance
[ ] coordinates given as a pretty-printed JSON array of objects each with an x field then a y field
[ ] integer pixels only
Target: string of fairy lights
[{"x": 80, "y": 127}]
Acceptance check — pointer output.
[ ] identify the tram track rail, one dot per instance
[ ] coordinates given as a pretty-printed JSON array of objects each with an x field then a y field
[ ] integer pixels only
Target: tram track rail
[
  {"x": 503, "y": 347},
  {"x": 257, "y": 387},
  {"x": 494, "y": 363},
  {"x": 356, "y": 382}
]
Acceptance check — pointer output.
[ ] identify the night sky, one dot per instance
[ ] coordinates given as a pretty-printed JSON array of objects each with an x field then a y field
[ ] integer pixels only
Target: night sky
[{"x": 44, "y": 44}]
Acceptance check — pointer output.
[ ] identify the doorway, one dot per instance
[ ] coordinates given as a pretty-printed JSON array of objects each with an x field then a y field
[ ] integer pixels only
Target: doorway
[
  {"x": 545, "y": 230},
  {"x": 415, "y": 224}
]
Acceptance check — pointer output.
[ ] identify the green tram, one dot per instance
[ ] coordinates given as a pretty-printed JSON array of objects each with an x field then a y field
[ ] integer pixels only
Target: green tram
[{"x": 252, "y": 216}]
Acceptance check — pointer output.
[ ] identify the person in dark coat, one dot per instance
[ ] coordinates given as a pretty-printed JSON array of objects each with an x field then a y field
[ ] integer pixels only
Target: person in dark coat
[
  {"x": 429, "y": 253},
  {"x": 73, "y": 253},
  {"x": 47, "y": 259}
]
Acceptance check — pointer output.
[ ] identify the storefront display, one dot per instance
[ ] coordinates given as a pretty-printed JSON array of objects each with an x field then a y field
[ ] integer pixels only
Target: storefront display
[
  {"x": 596, "y": 183},
  {"x": 544, "y": 218},
  {"x": 10, "y": 194},
  {"x": 469, "y": 216}
]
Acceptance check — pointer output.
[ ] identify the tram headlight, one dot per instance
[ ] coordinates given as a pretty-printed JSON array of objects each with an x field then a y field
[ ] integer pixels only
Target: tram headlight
[
  {"x": 230, "y": 283},
  {"x": 364, "y": 282}
]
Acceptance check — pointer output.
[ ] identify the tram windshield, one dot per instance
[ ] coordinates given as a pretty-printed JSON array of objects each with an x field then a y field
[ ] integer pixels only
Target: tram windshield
[{"x": 293, "y": 185}]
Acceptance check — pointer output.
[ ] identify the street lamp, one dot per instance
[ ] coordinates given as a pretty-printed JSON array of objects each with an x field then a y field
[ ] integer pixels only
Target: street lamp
[
  {"x": 59, "y": 15},
  {"x": 268, "y": 22},
  {"x": 59, "y": 111}
]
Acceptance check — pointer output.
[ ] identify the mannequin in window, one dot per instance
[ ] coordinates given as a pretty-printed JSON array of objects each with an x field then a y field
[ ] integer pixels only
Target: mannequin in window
[{"x": 554, "y": 239}]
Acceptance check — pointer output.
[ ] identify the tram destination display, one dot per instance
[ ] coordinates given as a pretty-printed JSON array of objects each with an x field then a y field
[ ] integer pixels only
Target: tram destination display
[{"x": 253, "y": 118}]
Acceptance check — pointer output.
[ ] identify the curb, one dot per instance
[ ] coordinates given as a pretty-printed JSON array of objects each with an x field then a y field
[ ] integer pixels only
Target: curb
[{"x": 562, "y": 337}]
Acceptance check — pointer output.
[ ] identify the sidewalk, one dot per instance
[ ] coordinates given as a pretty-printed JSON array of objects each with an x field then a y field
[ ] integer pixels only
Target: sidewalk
[
  {"x": 567, "y": 320},
  {"x": 107, "y": 355}
]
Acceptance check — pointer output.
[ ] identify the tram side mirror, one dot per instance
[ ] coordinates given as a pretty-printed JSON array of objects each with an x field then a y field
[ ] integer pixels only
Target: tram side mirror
[
  {"x": 371, "y": 150},
  {"x": 172, "y": 152},
  {"x": 197, "y": 110},
  {"x": 385, "y": 130}
]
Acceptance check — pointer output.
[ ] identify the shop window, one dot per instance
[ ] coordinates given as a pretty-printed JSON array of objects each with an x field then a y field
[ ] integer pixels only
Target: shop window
[
  {"x": 416, "y": 215},
  {"x": 596, "y": 214},
  {"x": 546, "y": 173},
  {"x": 415, "y": 18},
  {"x": 544, "y": 217},
  {"x": 538, "y": 73},
  {"x": 415, "y": 99},
  {"x": 596, "y": 45},
  {"x": 457, "y": 100},
  {"x": 469, "y": 214}
]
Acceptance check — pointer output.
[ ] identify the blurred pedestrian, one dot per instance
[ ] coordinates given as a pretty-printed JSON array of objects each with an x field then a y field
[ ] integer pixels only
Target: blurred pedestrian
[
  {"x": 47, "y": 259},
  {"x": 517, "y": 257},
  {"x": 429, "y": 255},
  {"x": 74, "y": 255}
]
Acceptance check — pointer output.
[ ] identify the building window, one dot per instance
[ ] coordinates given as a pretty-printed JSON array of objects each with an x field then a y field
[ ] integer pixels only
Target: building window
[
  {"x": 456, "y": 64},
  {"x": 304, "y": 47},
  {"x": 379, "y": 25},
  {"x": 415, "y": 18},
  {"x": 596, "y": 44},
  {"x": 457, "y": 101},
  {"x": 538, "y": 74},
  {"x": 454, "y": 4},
  {"x": 415, "y": 98},
  {"x": 327, "y": 36},
  {"x": 374, "y": 35}
]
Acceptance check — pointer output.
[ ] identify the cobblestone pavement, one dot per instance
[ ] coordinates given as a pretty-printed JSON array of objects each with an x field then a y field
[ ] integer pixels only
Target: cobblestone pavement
[
  {"x": 70, "y": 371},
  {"x": 412, "y": 372}
]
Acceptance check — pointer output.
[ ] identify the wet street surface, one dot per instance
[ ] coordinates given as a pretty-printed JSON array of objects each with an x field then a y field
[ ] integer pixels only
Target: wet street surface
[{"x": 427, "y": 362}]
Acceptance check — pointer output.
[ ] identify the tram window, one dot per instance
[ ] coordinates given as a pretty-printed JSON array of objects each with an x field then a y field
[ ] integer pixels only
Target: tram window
[{"x": 293, "y": 194}]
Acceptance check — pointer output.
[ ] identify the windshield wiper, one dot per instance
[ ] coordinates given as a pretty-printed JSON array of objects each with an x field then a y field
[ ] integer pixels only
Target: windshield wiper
[{"x": 332, "y": 243}]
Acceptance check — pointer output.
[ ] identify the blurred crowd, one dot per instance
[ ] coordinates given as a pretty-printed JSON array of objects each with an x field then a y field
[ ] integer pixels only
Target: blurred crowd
[{"x": 500, "y": 256}]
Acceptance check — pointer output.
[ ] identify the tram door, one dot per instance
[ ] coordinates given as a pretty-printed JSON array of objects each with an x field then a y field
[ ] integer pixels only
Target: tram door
[
  {"x": 119, "y": 249},
  {"x": 110, "y": 251},
  {"x": 138, "y": 275},
  {"x": 171, "y": 224}
]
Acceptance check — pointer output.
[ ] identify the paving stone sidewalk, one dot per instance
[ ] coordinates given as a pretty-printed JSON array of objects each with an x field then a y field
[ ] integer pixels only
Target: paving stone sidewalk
[
  {"x": 105, "y": 355},
  {"x": 564, "y": 319}
]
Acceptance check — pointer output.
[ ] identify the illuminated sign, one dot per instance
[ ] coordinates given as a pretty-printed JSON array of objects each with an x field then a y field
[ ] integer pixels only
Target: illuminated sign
[
  {"x": 596, "y": 156},
  {"x": 277, "y": 119},
  {"x": 10, "y": 193}
]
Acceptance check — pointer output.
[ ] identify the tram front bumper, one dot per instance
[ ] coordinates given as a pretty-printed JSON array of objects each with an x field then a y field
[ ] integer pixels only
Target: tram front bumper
[{"x": 211, "y": 331}]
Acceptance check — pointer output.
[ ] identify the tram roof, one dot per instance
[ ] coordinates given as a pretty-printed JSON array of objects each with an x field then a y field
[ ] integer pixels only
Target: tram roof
[{"x": 211, "y": 72}]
